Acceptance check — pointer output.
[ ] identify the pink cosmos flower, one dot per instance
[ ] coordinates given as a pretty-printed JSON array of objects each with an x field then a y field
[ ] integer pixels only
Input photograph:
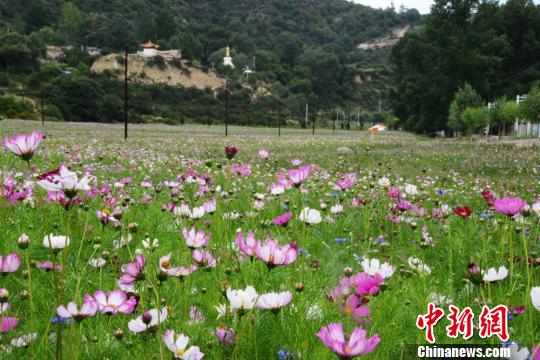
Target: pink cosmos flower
[
  {"x": 210, "y": 206},
  {"x": 241, "y": 170},
  {"x": 394, "y": 193},
  {"x": 8, "y": 323},
  {"x": 23, "y": 145},
  {"x": 298, "y": 176},
  {"x": 195, "y": 315},
  {"x": 274, "y": 254},
  {"x": 282, "y": 220},
  {"x": 89, "y": 308},
  {"x": 48, "y": 266},
  {"x": 346, "y": 181},
  {"x": 132, "y": 272},
  {"x": 354, "y": 306},
  {"x": 225, "y": 335},
  {"x": 296, "y": 162},
  {"x": 333, "y": 337},
  {"x": 263, "y": 154},
  {"x": 247, "y": 247},
  {"x": 112, "y": 303},
  {"x": 535, "y": 352},
  {"x": 509, "y": 206},
  {"x": 195, "y": 239},
  {"x": 166, "y": 269},
  {"x": 204, "y": 258},
  {"x": 9, "y": 263}
]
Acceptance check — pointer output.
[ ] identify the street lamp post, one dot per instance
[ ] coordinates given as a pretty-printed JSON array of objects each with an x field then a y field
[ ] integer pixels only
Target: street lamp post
[
  {"x": 226, "y": 107},
  {"x": 126, "y": 95}
]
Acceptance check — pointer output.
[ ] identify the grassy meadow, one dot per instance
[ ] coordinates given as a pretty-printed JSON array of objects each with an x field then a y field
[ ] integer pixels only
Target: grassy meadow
[{"x": 393, "y": 199}]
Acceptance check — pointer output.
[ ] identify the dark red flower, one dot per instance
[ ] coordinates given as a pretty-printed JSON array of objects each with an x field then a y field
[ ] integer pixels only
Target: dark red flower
[
  {"x": 463, "y": 211},
  {"x": 230, "y": 151}
]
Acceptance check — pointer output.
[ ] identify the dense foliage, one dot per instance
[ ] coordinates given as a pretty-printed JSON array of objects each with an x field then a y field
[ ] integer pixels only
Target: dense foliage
[
  {"x": 302, "y": 52},
  {"x": 493, "y": 47}
]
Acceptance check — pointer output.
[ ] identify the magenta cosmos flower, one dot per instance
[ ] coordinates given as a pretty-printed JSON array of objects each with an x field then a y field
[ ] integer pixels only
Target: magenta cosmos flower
[
  {"x": 282, "y": 220},
  {"x": 298, "y": 176},
  {"x": 8, "y": 323},
  {"x": 89, "y": 308},
  {"x": 204, "y": 258},
  {"x": 356, "y": 344},
  {"x": 166, "y": 269},
  {"x": 112, "y": 303},
  {"x": 230, "y": 151},
  {"x": 509, "y": 206},
  {"x": 132, "y": 272},
  {"x": 9, "y": 263},
  {"x": 368, "y": 285},
  {"x": 274, "y": 254},
  {"x": 247, "y": 247},
  {"x": 195, "y": 238},
  {"x": 23, "y": 145}
]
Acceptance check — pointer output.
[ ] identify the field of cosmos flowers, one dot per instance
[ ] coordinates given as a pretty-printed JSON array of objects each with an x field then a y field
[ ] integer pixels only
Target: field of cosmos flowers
[{"x": 180, "y": 243}]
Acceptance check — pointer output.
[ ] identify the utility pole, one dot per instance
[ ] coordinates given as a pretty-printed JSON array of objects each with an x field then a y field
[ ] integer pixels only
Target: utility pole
[
  {"x": 42, "y": 108},
  {"x": 314, "y": 118},
  {"x": 126, "y": 96},
  {"x": 279, "y": 122},
  {"x": 307, "y": 109},
  {"x": 358, "y": 117},
  {"x": 226, "y": 107},
  {"x": 334, "y": 122}
]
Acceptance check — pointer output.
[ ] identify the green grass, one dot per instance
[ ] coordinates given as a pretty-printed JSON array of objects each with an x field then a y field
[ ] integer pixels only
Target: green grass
[{"x": 160, "y": 153}]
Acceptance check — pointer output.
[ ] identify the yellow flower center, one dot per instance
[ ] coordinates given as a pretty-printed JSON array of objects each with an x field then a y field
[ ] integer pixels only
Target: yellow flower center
[
  {"x": 180, "y": 352},
  {"x": 166, "y": 264}
]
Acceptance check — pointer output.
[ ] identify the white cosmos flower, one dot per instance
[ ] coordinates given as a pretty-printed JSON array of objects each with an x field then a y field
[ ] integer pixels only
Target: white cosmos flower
[
  {"x": 67, "y": 182},
  {"x": 418, "y": 266},
  {"x": 148, "y": 320},
  {"x": 384, "y": 182},
  {"x": 242, "y": 299},
  {"x": 516, "y": 354},
  {"x": 535, "y": 297},
  {"x": 24, "y": 340},
  {"x": 492, "y": 275},
  {"x": 310, "y": 216},
  {"x": 221, "y": 310},
  {"x": 197, "y": 212},
  {"x": 150, "y": 244},
  {"x": 411, "y": 189},
  {"x": 536, "y": 208},
  {"x": 178, "y": 346},
  {"x": 274, "y": 301},
  {"x": 97, "y": 262},
  {"x": 374, "y": 267},
  {"x": 55, "y": 241}
]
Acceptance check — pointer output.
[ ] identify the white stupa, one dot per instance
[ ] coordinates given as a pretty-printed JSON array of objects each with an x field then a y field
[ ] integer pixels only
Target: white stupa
[{"x": 227, "y": 60}]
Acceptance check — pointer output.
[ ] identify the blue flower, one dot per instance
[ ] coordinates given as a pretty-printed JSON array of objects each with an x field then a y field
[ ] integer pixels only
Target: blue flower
[
  {"x": 440, "y": 192},
  {"x": 303, "y": 251},
  {"x": 486, "y": 216},
  {"x": 334, "y": 195},
  {"x": 58, "y": 319},
  {"x": 306, "y": 199},
  {"x": 284, "y": 354},
  {"x": 341, "y": 240},
  {"x": 285, "y": 207}
]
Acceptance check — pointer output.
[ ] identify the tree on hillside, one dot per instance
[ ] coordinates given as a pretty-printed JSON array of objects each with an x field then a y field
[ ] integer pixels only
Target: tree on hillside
[
  {"x": 530, "y": 107},
  {"x": 465, "y": 97}
]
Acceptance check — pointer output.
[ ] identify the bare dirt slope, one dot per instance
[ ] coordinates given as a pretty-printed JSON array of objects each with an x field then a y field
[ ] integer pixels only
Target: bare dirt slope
[{"x": 141, "y": 69}]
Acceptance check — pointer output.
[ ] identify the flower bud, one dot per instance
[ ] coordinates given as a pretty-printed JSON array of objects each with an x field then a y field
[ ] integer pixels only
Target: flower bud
[
  {"x": 4, "y": 295},
  {"x": 298, "y": 287},
  {"x": 146, "y": 317},
  {"x": 24, "y": 241}
]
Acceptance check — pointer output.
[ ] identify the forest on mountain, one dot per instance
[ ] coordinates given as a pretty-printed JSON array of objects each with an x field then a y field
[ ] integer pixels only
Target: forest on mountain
[
  {"x": 469, "y": 52},
  {"x": 302, "y": 52}
]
